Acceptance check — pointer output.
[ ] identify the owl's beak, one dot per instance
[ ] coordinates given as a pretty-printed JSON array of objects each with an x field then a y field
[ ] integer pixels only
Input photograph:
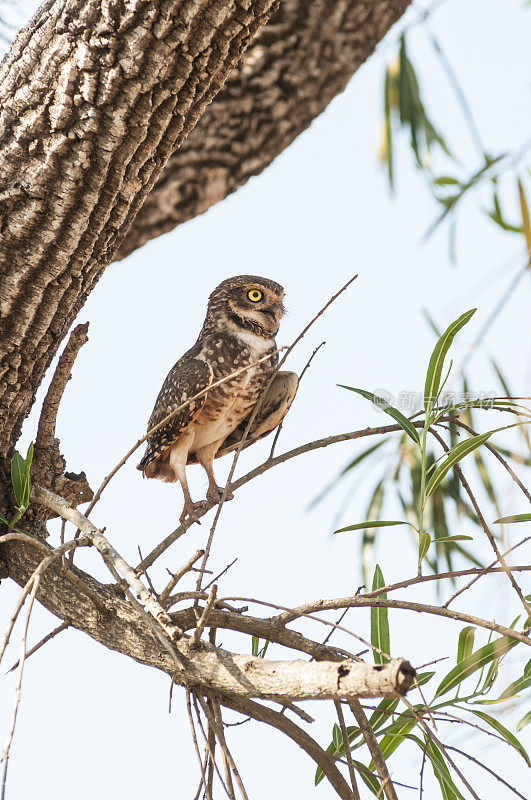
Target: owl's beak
[{"x": 270, "y": 314}]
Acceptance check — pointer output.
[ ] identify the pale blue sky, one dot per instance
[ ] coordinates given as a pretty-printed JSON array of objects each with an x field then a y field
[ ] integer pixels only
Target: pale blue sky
[{"x": 96, "y": 721}]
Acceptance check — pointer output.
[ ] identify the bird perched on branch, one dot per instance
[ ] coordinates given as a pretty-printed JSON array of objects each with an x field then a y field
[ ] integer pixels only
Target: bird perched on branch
[{"x": 242, "y": 320}]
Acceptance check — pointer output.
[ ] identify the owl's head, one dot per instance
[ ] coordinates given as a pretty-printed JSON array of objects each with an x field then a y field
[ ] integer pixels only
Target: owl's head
[{"x": 249, "y": 303}]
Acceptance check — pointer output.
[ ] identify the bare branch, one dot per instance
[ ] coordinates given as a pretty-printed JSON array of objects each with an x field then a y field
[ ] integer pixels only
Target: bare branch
[
  {"x": 164, "y": 595},
  {"x": 348, "y": 754},
  {"x": 196, "y": 636},
  {"x": 374, "y": 749}
]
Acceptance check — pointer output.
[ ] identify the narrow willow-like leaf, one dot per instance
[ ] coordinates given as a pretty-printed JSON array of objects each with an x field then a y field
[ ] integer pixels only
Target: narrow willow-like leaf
[
  {"x": 17, "y": 477},
  {"x": 369, "y": 779},
  {"x": 526, "y": 719},
  {"x": 424, "y": 545},
  {"x": 382, "y": 712},
  {"x": 391, "y": 741},
  {"x": 466, "y": 643},
  {"x": 449, "y": 790},
  {"x": 474, "y": 662},
  {"x": 513, "y": 518},
  {"x": 255, "y": 643},
  {"x": 372, "y": 523},
  {"x": 433, "y": 376},
  {"x": 403, "y": 421},
  {"x": 3, "y": 519},
  {"x": 526, "y": 222},
  {"x": 336, "y": 746},
  {"x": 502, "y": 730},
  {"x": 26, "y": 476},
  {"x": 455, "y": 455},
  {"x": 380, "y": 636},
  {"x": 514, "y": 688},
  {"x": 423, "y": 678},
  {"x": 457, "y": 538}
]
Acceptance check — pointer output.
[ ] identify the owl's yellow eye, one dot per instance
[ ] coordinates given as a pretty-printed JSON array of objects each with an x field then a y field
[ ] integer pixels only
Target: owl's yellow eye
[{"x": 255, "y": 295}]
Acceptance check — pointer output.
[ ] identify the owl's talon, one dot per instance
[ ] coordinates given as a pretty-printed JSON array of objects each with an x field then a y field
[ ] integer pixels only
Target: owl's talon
[
  {"x": 189, "y": 511},
  {"x": 215, "y": 493}
]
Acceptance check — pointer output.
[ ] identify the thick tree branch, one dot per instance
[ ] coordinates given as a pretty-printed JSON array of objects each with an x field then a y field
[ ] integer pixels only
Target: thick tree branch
[
  {"x": 295, "y": 66},
  {"x": 48, "y": 466},
  {"x": 209, "y": 666}
]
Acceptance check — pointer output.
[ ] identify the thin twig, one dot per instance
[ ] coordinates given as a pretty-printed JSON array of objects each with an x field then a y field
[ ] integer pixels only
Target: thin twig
[
  {"x": 209, "y": 744},
  {"x": 18, "y": 687},
  {"x": 485, "y": 571},
  {"x": 164, "y": 595},
  {"x": 301, "y": 376},
  {"x": 220, "y": 574},
  {"x": 45, "y": 639},
  {"x": 348, "y": 754},
  {"x": 202, "y": 765},
  {"x": 196, "y": 636},
  {"x": 374, "y": 749}
]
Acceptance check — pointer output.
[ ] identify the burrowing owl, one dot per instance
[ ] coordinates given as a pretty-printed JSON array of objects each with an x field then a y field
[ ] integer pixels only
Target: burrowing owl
[{"x": 242, "y": 320}]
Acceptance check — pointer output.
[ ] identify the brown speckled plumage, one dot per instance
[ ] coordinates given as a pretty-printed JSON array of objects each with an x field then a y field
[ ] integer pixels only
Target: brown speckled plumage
[{"x": 239, "y": 329}]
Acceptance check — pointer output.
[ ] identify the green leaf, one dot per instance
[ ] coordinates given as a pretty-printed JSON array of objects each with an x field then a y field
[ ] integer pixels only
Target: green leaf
[
  {"x": 371, "y": 523},
  {"x": 513, "y": 518},
  {"x": 368, "y": 778},
  {"x": 502, "y": 730},
  {"x": 254, "y": 645},
  {"x": 3, "y": 519},
  {"x": 446, "y": 180},
  {"x": 515, "y": 687},
  {"x": 526, "y": 222},
  {"x": 403, "y": 421},
  {"x": 379, "y": 622},
  {"x": 424, "y": 677},
  {"x": 457, "y": 538},
  {"x": 433, "y": 376},
  {"x": 466, "y": 643},
  {"x": 449, "y": 790},
  {"x": 382, "y": 712},
  {"x": 26, "y": 476},
  {"x": 474, "y": 662},
  {"x": 453, "y": 457},
  {"x": 391, "y": 741},
  {"x": 526, "y": 719},
  {"x": 424, "y": 545},
  {"x": 18, "y": 466}
]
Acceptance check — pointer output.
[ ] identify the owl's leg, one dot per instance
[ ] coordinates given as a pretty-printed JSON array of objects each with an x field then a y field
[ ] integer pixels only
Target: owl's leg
[
  {"x": 178, "y": 458},
  {"x": 205, "y": 456}
]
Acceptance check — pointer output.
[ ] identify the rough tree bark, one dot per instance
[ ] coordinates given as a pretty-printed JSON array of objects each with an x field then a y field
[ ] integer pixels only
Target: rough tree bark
[{"x": 295, "y": 66}]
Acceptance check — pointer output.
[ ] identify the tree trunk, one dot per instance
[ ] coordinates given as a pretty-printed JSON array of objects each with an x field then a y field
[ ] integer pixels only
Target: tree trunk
[{"x": 295, "y": 66}]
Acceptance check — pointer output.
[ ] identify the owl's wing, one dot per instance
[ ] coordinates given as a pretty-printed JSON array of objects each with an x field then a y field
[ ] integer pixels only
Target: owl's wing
[
  {"x": 274, "y": 408},
  {"x": 186, "y": 379}
]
